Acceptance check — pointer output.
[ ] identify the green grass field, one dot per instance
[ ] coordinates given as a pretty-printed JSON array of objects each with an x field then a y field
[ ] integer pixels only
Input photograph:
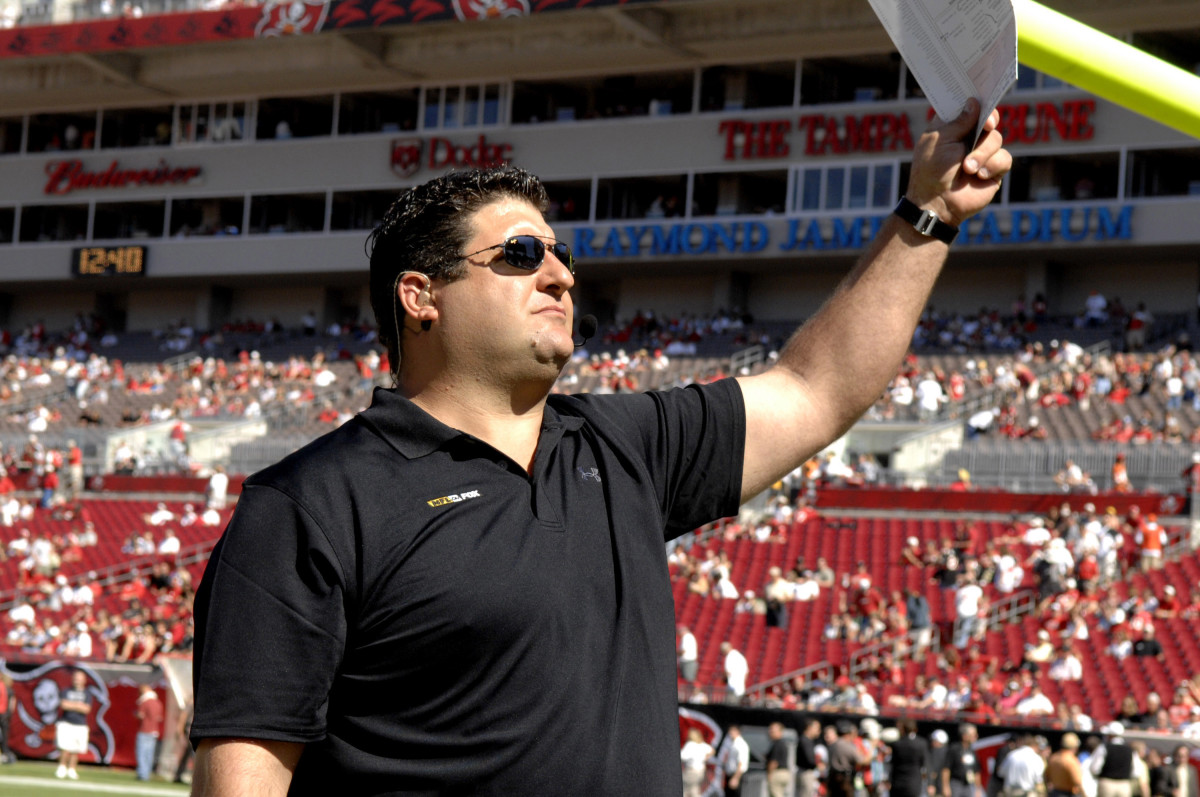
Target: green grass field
[{"x": 36, "y": 779}]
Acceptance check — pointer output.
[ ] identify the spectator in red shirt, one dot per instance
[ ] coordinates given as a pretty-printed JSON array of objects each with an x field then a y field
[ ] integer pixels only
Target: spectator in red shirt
[
  {"x": 963, "y": 484},
  {"x": 1168, "y": 604},
  {"x": 150, "y": 719},
  {"x": 49, "y": 487}
]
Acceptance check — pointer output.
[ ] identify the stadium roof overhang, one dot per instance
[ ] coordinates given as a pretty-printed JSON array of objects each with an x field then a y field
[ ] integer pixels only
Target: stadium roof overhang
[{"x": 210, "y": 55}]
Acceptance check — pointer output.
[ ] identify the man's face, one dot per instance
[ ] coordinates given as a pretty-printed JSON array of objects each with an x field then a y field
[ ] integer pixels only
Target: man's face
[{"x": 499, "y": 317}]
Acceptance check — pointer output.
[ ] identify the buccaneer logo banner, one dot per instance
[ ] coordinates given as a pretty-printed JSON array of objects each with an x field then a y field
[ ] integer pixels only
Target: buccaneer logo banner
[{"x": 39, "y": 707}]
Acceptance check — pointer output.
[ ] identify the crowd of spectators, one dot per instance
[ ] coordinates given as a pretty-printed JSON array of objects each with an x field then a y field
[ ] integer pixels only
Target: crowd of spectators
[
  {"x": 54, "y": 384},
  {"x": 1023, "y": 383},
  {"x": 61, "y": 606},
  {"x": 128, "y": 614},
  {"x": 1069, "y": 563},
  {"x": 990, "y": 330},
  {"x": 1136, "y": 398},
  {"x": 146, "y": 614}
]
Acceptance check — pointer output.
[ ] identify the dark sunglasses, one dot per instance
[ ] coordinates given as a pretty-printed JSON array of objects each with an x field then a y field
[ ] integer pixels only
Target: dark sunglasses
[{"x": 527, "y": 252}]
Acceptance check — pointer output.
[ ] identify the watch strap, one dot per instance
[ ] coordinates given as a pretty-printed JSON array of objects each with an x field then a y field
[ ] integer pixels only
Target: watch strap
[{"x": 925, "y": 222}]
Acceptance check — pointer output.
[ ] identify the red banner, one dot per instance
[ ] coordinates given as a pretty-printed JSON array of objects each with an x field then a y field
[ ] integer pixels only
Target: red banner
[
  {"x": 270, "y": 19},
  {"x": 112, "y": 722}
]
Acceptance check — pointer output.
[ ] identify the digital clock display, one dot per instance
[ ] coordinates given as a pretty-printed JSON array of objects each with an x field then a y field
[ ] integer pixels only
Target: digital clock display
[{"x": 107, "y": 261}]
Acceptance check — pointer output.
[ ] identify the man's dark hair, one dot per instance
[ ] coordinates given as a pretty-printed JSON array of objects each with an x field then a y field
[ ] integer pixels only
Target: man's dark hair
[{"x": 426, "y": 229}]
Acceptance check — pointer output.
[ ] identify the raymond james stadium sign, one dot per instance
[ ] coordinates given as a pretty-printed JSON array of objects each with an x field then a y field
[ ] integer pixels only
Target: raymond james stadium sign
[{"x": 1093, "y": 223}]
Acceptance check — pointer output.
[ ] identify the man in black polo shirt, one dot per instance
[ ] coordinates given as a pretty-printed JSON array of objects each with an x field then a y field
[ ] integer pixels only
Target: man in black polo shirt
[
  {"x": 909, "y": 762},
  {"x": 464, "y": 589},
  {"x": 960, "y": 772},
  {"x": 807, "y": 784},
  {"x": 779, "y": 768},
  {"x": 1113, "y": 764}
]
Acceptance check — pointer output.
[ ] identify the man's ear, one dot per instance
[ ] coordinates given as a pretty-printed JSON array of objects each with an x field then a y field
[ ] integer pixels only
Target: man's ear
[{"x": 415, "y": 295}]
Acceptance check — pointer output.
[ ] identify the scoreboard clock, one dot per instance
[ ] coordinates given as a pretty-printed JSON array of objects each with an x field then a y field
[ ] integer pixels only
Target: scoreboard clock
[{"x": 107, "y": 261}]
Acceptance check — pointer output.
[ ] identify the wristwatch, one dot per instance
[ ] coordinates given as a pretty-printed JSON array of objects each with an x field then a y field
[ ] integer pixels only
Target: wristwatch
[{"x": 925, "y": 222}]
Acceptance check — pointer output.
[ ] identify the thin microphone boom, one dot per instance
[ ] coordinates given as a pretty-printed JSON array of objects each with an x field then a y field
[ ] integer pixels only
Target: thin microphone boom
[{"x": 587, "y": 328}]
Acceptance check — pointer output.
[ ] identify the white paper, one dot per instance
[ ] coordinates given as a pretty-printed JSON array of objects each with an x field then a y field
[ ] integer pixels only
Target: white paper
[{"x": 956, "y": 49}]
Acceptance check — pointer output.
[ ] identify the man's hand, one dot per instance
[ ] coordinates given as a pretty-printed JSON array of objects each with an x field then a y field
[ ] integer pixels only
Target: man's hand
[{"x": 950, "y": 180}]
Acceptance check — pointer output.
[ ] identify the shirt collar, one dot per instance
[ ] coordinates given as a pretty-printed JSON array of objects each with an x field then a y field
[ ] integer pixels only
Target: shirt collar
[{"x": 414, "y": 432}]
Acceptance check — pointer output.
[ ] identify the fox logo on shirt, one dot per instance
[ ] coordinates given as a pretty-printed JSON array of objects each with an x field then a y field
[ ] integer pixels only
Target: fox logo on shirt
[{"x": 454, "y": 499}]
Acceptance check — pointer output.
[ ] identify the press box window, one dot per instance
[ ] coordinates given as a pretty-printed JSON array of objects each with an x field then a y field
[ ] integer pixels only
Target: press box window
[
  {"x": 1029, "y": 79},
  {"x": 207, "y": 216},
  {"x": 287, "y": 213},
  {"x": 295, "y": 117},
  {"x": 742, "y": 193},
  {"x": 1164, "y": 172},
  {"x": 10, "y": 135},
  {"x": 570, "y": 200},
  {"x": 641, "y": 197},
  {"x": 473, "y": 105},
  {"x": 62, "y": 132},
  {"x": 136, "y": 127},
  {"x": 359, "y": 210},
  {"x": 129, "y": 220},
  {"x": 7, "y": 219},
  {"x": 852, "y": 187},
  {"x": 212, "y": 122},
  {"x": 1064, "y": 177},
  {"x": 53, "y": 223},
  {"x": 648, "y": 94},
  {"x": 863, "y": 78},
  {"x": 378, "y": 112},
  {"x": 1180, "y": 47},
  {"x": 736, "y": 88}
]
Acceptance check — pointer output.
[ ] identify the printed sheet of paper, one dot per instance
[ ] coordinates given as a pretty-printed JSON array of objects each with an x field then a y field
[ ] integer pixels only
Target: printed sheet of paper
[{"x": 956, "y": 49}]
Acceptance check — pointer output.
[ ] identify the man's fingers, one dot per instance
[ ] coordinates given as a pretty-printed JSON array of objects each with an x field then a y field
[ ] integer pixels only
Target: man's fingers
[
  {"x": 961, "y": 126},
  {"x": 995, "y": 167},
  {"x": 979, "y": 160}
]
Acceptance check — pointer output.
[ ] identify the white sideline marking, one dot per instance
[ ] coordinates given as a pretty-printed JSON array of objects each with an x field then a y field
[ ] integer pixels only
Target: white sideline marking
[{"x": 82, "y": 785}]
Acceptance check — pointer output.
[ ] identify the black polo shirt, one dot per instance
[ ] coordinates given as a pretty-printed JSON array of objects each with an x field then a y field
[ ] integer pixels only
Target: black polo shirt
[{"x": 428, "y": 618}]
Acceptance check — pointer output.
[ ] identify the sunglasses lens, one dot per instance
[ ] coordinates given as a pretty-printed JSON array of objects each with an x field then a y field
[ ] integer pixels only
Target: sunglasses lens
[
  {"x": 563, "y": 253},
  {"x": 524, "y": 251}
]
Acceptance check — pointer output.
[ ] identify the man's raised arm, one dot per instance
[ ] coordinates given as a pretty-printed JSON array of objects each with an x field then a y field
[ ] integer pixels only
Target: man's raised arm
[{"x": 838, "y": 363}]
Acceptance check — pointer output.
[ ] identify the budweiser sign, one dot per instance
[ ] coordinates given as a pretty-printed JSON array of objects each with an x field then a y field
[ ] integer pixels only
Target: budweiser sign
[{"x": 66, "y": 176}]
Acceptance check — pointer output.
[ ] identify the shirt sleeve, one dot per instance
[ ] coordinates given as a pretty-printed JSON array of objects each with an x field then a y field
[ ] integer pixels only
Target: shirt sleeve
[
  {"x": 692, "y": 442},
  {"x": 270, "y": 624}
]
